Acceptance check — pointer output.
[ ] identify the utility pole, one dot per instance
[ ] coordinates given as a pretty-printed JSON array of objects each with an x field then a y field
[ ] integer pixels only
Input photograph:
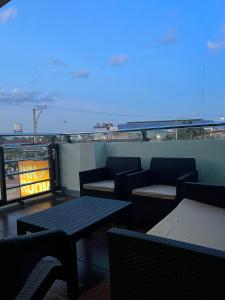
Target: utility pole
[
  {"x": 65, "y": 126},
  {"x": 37, "y": 110},
  {"x": 203, "y": 89}
]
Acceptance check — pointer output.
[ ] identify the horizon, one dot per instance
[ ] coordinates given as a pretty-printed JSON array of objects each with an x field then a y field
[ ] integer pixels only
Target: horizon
[{"x": 112, "y": 62}]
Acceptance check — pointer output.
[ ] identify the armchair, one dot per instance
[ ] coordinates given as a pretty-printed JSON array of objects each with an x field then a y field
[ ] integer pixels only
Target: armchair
[
  {"x": 156, "y": 191},
  {"x": 144, "y": 266},
  {"x": 27, "y": 273},
  {"x": 204, "y": 193},
  {"x": 109, "y": 181}
]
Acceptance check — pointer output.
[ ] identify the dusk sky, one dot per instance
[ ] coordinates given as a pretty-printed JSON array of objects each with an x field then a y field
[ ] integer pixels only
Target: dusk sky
[{"x": 114, "y": 61}]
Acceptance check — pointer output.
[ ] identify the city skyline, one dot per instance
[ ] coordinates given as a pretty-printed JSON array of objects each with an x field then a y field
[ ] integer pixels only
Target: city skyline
[{"x": 114, "y": 61}]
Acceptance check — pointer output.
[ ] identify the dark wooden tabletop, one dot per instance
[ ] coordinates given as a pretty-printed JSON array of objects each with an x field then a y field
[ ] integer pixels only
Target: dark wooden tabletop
[{"x": 76, "y": 217}]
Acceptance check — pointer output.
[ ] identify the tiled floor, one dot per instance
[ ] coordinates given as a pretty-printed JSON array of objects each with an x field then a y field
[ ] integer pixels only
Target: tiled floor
[{"x": 92, "y": 252}]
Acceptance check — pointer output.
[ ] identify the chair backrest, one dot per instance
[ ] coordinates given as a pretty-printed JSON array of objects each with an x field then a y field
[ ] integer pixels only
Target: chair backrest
[
  {"x": 18, "y": 256},
  {"x": 205, "y": 193},
  {"x": 120, "y": 164},
  {"x": 168, "y": 169}
]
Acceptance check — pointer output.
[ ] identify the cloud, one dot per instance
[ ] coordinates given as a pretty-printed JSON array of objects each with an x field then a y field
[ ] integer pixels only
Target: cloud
[
  {"x": 58, "y": 62},
  {"x": 169, "y": 38},
  {"x": 7, "y": 14},
  {"x": 17, "y": 97},
  {"x": 83, "y": 73},
  {"x": 118, "y": 60},
  {"x": 216, "y": 45}
]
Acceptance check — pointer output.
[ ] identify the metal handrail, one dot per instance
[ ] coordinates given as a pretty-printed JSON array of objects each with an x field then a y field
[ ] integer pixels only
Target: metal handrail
[
  {"x": 26, "y": 172},
  {"x": 53, "y": 168},
  {"x": 140, "y": 129},
  {"x": 26, "y": 159},
  {"x": 25, "y": 184}
]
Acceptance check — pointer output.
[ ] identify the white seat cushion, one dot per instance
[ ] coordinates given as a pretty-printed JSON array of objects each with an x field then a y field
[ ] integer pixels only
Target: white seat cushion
[
  {"x": 156, "y": 191},
  {"x": 194, "y": 222},
  {"x": 104, "y": 186}
]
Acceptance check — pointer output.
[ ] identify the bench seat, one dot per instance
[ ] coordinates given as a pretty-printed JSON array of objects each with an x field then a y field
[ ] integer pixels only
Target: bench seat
[{"x": 195, "y": 223}]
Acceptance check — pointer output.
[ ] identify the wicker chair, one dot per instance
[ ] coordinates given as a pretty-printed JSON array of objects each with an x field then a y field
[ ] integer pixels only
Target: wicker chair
[
  {"x": 156, "y": 191},
  {"x": 31, "y": 263},
  {"x": 205, "y": 193},
  {"x": 147, "y": 266},
  {"x": 109, "y": 181}
]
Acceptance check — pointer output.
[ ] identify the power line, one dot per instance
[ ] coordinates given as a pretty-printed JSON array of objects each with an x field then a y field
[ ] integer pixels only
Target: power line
[{"x": 114, "y": 113}]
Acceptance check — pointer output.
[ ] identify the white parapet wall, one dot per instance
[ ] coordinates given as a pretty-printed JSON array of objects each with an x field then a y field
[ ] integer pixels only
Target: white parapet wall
[
  {"x": 79, "y": 157},
  {"x": 209, "y": 155}
]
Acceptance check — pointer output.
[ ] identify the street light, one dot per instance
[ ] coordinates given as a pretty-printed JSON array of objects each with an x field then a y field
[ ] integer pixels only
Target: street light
[
  {"x": 65, "y": 126},
  {"x": 36, "y": 116}
]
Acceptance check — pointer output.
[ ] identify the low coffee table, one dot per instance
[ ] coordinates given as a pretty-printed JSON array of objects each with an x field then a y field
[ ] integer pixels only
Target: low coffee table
[{"x": 78, "y": 218}]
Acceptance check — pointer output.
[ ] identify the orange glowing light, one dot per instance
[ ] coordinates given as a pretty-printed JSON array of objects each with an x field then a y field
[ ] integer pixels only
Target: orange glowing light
[{"x": 31, "y": 165}]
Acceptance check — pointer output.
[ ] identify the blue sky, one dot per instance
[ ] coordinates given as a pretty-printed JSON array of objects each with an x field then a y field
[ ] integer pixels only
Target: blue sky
[{"x": 110, "y": 61}]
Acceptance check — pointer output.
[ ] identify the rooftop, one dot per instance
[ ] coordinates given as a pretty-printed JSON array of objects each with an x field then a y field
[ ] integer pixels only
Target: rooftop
[{"x": 70, "y": 157}]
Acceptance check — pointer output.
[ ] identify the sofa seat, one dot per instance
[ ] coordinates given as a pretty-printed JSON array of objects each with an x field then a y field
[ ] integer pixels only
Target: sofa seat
[
  {"x": 156, "y": 191},
  {"x": 195, "y": 223},
  {"x": 103, "y": 186}
]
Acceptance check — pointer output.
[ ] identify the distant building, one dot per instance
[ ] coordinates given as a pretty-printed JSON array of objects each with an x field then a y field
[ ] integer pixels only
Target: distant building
[
  {"x": 103, "y": 131},
  {"x": 147, "y": 124},
  {"x": 157, "y": 132},
  {"x": 104, "y": 127},
  {"x": 18, "y": 128}
]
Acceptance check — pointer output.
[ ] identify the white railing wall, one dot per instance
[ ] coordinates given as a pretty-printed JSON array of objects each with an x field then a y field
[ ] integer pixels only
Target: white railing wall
[{"x": 209, "y": 154}]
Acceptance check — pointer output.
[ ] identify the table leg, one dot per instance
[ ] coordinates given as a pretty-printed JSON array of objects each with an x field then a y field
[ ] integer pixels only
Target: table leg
[
  {"x": 129, "y": 218},
  {"x": 73, "y": 290},
  {"x": 20, "y": 229}
]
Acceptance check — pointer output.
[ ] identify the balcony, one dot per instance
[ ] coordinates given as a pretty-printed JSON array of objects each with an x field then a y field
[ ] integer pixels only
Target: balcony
[{"x": 73, "y": 155}]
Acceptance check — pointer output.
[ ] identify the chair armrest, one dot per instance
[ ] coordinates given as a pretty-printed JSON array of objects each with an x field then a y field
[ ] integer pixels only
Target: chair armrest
[
  {"x": 120, "y": 182},
  {"x": 128, "y": 172},
  {"x": 139, "y": 179},
  {"x": 209, "y": 194},
  {"x": 142, "y": 264},
  {"x": 93, "y": 175},
  {"x": 26, "y": 251},
  {"x": 190, "y": 176}
]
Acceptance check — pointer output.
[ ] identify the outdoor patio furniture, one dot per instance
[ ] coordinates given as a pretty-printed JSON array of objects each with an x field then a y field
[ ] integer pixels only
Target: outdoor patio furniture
[
  {"x": 205, "y": 193},
  {"x": 109, "y": 181},
  {"x": 157, "y": 191},
  {"x": 78, "y": 218},
  {"x": 181, "y": 257},
  {"x": 30, "y": 264},
  {"x": 144, "y": 266}
]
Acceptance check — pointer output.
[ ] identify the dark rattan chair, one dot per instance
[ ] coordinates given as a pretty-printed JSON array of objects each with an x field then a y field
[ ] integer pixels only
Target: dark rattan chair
[
  {"x": 31, "y": 263},
  {"x": 156, "y": 191},
  {"x": 146, "y": 266},
  {"x": 109, "y": 181},
  {"x": 149, "y": 267},
  {"x": 205, "y": 193}
]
